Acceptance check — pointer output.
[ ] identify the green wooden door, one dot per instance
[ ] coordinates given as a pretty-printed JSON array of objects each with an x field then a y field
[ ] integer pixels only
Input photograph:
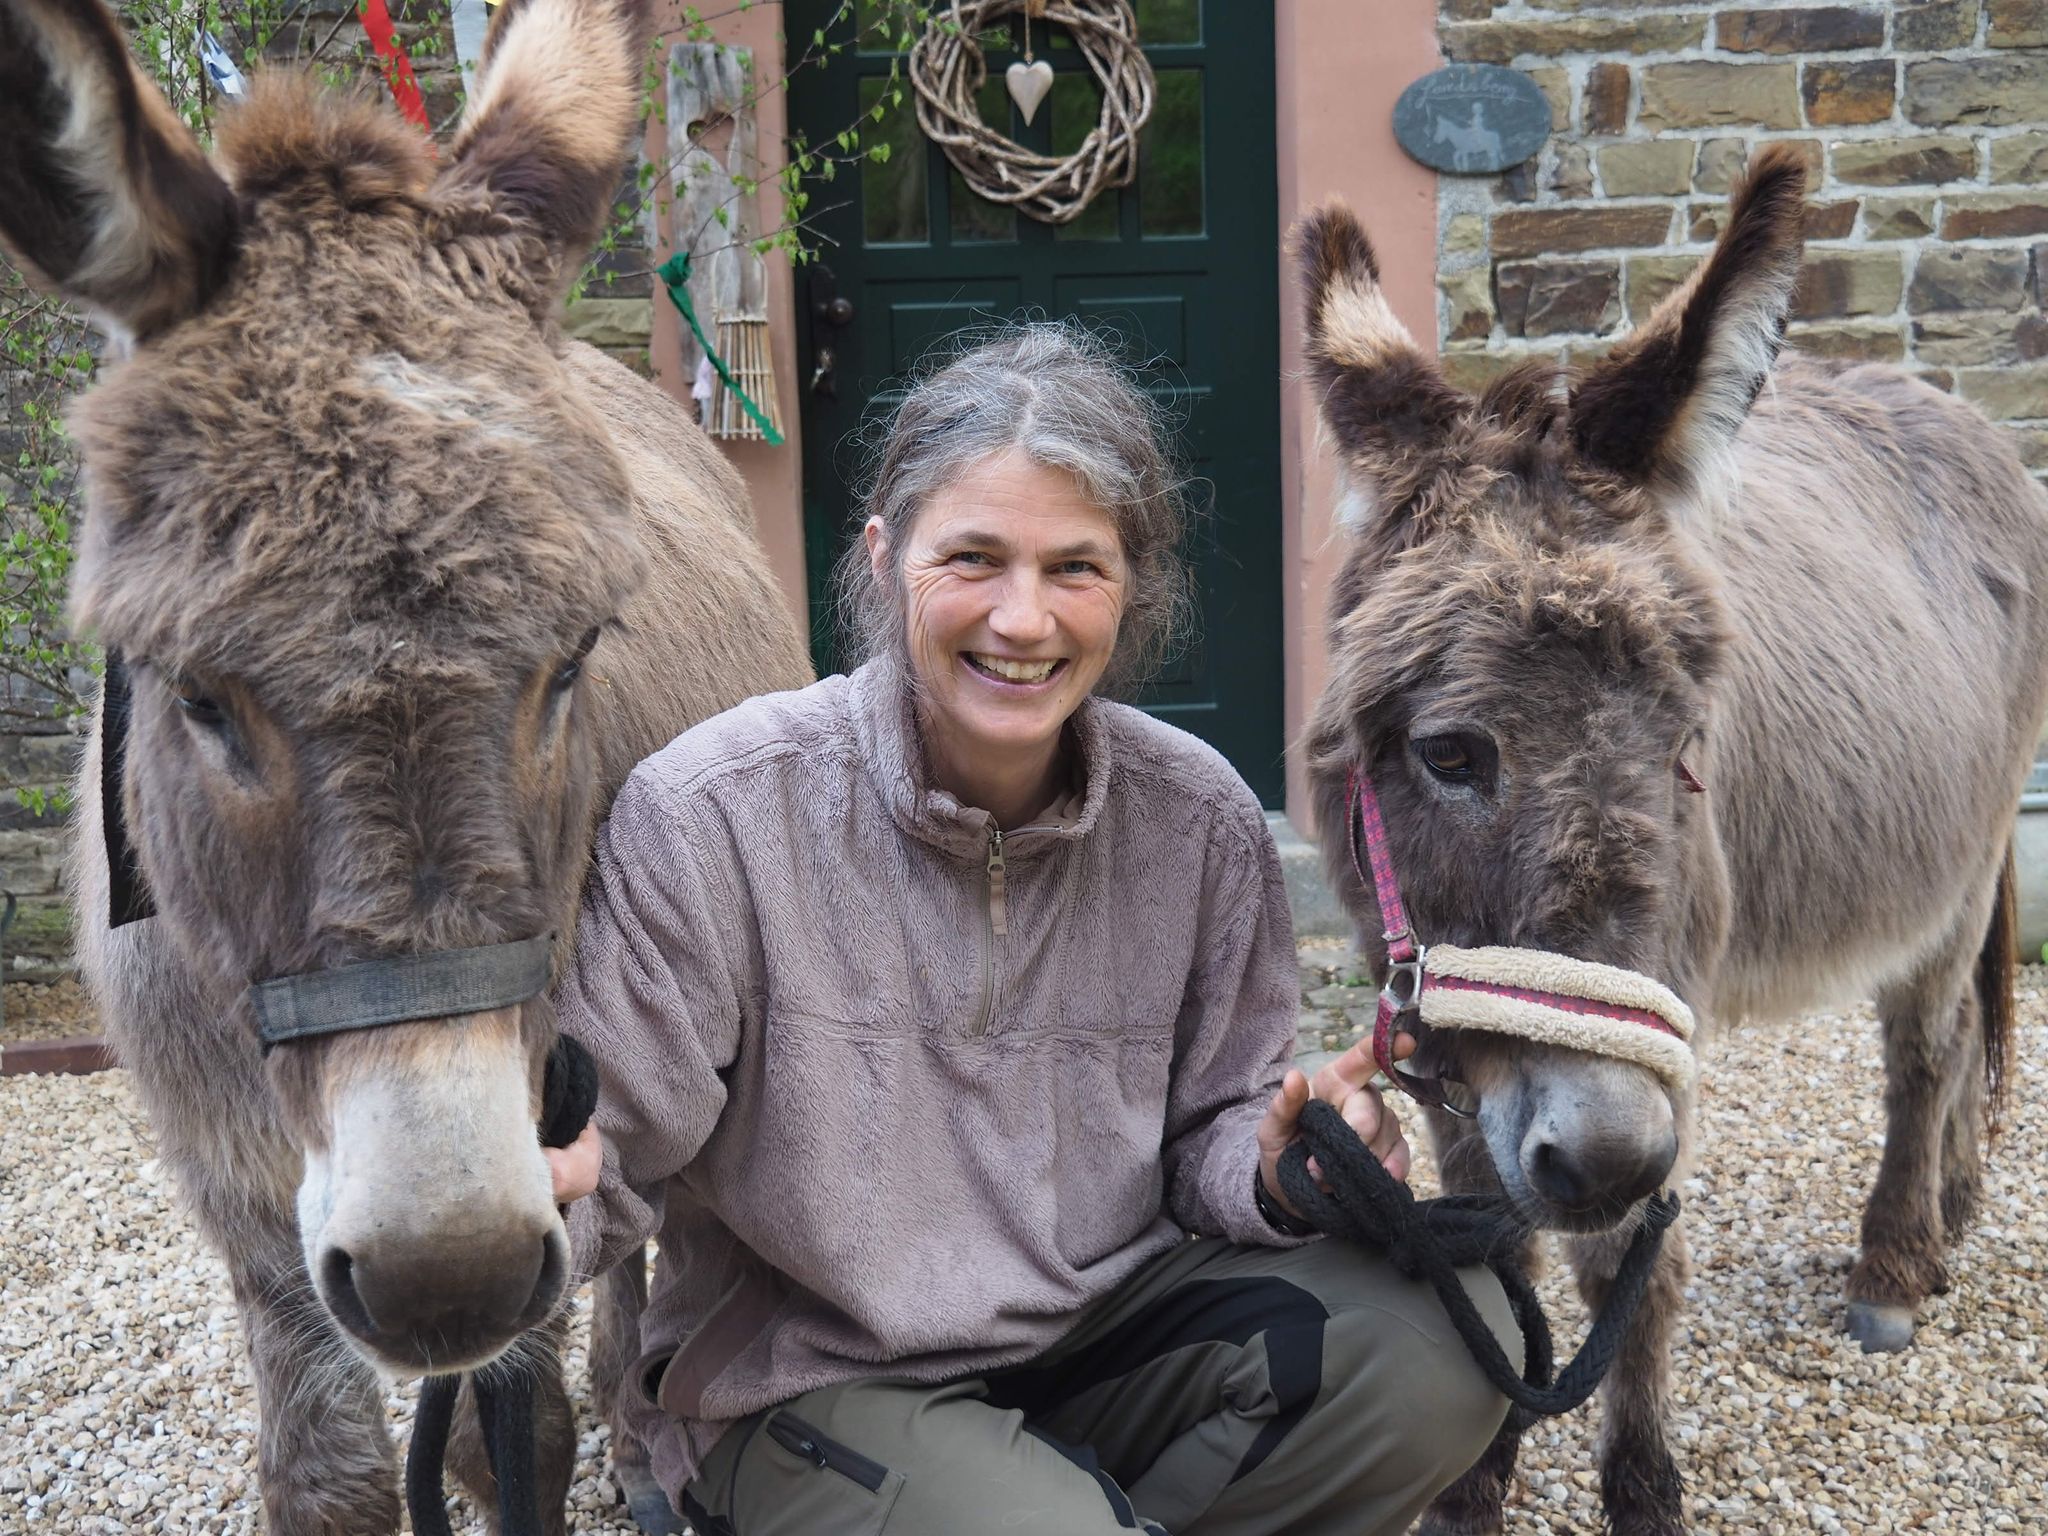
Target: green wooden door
[{"x": 1182, "y": 266}]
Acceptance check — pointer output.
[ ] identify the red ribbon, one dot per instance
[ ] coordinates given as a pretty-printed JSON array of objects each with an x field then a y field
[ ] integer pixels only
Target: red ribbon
[{"x": 405, "y": 87}]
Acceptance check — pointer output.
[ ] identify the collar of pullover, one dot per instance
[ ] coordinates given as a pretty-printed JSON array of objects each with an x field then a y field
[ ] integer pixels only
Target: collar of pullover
[{"x": 885, "y": 720}]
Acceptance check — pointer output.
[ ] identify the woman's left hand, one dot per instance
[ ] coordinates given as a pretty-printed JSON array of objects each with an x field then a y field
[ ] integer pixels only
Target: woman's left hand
[{"x": 1345, "y": 1084}]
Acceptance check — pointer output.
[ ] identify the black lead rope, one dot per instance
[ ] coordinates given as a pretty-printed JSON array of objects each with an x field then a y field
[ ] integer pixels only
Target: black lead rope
[
  {"x": 504, "y": 1399},
  {"x": 1432, "y": 1239}
]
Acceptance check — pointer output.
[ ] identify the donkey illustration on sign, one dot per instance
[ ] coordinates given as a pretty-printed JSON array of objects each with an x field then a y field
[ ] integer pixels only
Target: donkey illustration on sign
[
  {"x": 1814, "y": 591},
  {"x": 406, "y": 583}
]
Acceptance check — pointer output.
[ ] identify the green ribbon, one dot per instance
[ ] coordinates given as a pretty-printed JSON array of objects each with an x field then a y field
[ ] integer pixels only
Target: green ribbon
[{"x": 675, "y": 275}]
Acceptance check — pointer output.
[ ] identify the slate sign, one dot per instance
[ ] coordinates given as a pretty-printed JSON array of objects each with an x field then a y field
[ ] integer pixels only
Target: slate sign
[{"x": 1472, "y": 119}]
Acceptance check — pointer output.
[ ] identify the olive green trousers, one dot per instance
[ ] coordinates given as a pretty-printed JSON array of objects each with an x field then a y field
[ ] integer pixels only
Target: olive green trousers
[{"x": 1222, "y": 1391}]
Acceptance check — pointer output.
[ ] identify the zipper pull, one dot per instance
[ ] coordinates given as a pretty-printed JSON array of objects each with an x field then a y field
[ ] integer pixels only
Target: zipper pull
[{"x": 996, "y": 913}]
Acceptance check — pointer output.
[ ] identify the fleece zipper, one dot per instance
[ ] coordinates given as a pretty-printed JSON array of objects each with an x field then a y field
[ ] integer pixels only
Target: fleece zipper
[{"x": 997, "y": 926}]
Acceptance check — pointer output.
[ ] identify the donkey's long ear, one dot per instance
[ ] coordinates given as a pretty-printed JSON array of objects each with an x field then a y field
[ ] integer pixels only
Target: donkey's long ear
[
  {"x": 1666, "y": 403},
  {"x": 545, "y": 134},
  {"x": 1382, "y": 401},
  {"x": 104, "y": 194}
]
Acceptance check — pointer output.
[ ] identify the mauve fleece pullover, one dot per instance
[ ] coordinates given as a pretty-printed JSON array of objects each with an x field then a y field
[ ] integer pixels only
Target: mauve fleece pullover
[{"x": 895, "y": 1107}]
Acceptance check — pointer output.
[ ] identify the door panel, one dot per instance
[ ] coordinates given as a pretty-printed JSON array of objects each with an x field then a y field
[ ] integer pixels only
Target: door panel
[{"x": 1181, "y": 268}]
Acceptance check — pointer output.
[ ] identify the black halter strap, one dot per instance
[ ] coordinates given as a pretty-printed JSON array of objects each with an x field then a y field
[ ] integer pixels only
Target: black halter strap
[
  {"x": 128, "y": 898},
  {"x": 1430, "y": 1239}
]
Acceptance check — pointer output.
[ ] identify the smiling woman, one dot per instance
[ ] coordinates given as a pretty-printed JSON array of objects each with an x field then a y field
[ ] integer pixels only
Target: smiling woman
[{"x": 937, "y": 1006}]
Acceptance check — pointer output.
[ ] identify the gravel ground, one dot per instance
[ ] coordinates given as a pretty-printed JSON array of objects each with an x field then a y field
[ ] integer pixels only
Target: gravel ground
[
  {"x": 46, "y": 1010},
  {"x": 125, "y": 1407}
]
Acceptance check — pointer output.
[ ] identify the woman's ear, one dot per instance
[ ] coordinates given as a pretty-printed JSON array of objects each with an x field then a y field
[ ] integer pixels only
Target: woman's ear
[{"x": 878, "y": 548}]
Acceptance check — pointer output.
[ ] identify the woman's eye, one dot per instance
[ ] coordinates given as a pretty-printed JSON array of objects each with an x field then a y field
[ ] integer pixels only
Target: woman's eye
[
  {"x": 1446, "y": 757},
  {"x": 971, "y": 557},
  {"x": 1076, "y": 568}
]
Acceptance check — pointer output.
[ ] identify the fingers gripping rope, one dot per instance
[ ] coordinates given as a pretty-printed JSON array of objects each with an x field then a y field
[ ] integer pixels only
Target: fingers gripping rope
[
  {"x": 504, "y": 1400},
  {"x": 1431, "y": 1239}
]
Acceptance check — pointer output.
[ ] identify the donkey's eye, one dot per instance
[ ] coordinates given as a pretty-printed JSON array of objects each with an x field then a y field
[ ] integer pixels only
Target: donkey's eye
[
  {"x": 1448, "y": 757},
  {"x": 199, "y": 708},
  {"x": 567, "y": 673}
]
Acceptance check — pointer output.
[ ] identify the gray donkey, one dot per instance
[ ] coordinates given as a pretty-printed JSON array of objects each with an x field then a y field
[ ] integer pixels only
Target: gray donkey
[
  {"x": 1814, "y": 592},
  {"x": 405, "y": 583}
]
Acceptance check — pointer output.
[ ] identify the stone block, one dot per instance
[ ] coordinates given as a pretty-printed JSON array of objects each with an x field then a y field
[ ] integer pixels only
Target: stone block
[
  {"x": 2007, "y": 394},
  {"x": 2032, "y": 443},
  {"x": 1991, "y": 91},
  {"x": 1516, "y": 184},
  {"x": 2022, "y": 157},
  {"x": 1559, "y": 298},
  {"x": 1605, "y": 102},
  {"x": 1898, "y": 218},
  {"x": 1556, "y": 86},
  {"x": 1658, "y": 168},
  {"x": 1850, "y": 93},
  {"x": 1942, "y": 24},
  {"x": 1652, "y": 279},
  {"x": 1833, "y": 283},
  {"x": 1465, "y": 10},
  {"x": 1706, "y": 93},
  {"x": 32, "y": 861},
  {"x": 1468, "y": 305},
  {"x": 1980, "y": 338},
  {"x": 1969, "y": 277},
  {"x": 1535, "y": 231},
  {"x": 610, "y": 322},
  {"x": 1860, "y": 341},
  {"x": 2040, "y": 279},
  {"x": 1818, "y": 29},
  {"x": 1465, "y": 235},
  {"x": 1722, "y": 161},
  {"x": 1995, "y": 215},
  {"x": 1473, "y": 367},
  {"x": 1823, "y": 221},
  {"x": 1502, "y": 42},
  {"x": 1921, "y": 160},
  {"x": 2017, "y": 24},
  {"x": 1571, "y": 175}
]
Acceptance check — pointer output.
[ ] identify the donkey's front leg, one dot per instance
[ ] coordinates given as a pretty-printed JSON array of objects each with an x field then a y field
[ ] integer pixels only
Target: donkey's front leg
[
  {"x": 1639, "y": 1480},
  {"x": 1929, "y": 1024},
  {"x": 324, "y": 1454},
  {"x": 1471, "y": 1506}
]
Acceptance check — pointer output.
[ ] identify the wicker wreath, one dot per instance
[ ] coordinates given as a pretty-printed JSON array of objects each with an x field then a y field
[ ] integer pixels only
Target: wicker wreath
[{"x": 947, "y": 71}]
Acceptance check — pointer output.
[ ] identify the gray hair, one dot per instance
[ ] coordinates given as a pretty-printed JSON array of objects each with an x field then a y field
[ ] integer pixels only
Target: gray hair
[{"x": 1058, "y": 394}]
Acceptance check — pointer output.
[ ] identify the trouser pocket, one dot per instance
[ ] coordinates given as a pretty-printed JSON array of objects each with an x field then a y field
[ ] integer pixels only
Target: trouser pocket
[{"x": 795, "y": 1480}]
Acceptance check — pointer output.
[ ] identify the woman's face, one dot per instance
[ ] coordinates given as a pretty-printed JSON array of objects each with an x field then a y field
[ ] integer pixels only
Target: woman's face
[{"x": 1013, "y": 585}]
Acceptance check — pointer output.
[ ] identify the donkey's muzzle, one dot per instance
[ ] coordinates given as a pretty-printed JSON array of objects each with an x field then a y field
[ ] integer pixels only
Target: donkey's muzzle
[
  {"x": 452, "y": 1306},
  {"x": 1600, "y": 1179}
]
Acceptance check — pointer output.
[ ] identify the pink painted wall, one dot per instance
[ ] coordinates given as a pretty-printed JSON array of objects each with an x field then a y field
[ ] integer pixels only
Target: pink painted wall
[
  {"x": 773, "y": 475},
  {"x": 1342, "y": 65}
]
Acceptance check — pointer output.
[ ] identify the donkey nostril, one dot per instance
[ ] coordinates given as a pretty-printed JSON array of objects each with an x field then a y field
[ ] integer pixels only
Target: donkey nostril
[
  {"x": 338, "y": 1280},
  {"x": 1556, "y": 1177}
]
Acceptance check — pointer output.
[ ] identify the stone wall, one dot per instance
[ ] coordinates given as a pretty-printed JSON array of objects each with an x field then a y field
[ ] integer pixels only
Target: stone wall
[{"x": 1925, "y": 128}]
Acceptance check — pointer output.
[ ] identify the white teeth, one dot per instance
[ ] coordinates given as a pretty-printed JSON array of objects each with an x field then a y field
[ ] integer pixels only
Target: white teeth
[{"x": 1016, "y": 671}]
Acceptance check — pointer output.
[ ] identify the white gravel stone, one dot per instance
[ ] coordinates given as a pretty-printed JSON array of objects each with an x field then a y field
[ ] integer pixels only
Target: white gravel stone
[{"x": 125, "y": 1405}]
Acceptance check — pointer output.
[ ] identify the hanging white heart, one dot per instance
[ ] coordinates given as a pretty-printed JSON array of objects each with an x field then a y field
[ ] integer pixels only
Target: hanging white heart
[{"x": 1028, "y": 84}]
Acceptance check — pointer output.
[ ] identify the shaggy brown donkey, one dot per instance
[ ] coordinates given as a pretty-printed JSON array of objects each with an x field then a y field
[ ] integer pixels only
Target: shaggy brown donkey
[
  {"x": 1816, "y": 591},
  {"x": 405, "y": 583}
]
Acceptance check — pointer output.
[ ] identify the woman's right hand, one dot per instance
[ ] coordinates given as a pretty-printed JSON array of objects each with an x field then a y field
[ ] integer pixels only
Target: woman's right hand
[{"x": 575, "y": 1167}]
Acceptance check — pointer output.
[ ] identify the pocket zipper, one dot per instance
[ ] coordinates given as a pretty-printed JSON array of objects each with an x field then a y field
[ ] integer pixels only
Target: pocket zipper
[{"x": 800, "y": 1439}]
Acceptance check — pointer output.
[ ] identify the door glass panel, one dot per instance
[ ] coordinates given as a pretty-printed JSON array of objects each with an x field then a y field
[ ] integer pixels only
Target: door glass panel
[
  {"x": 974, "y": 218},
  {"x": 1169, "y": 21},
  {"x": 1170, "y": 165},
  {"x": 1076, "y": 106},
  {"x": 892, "y": 191}
]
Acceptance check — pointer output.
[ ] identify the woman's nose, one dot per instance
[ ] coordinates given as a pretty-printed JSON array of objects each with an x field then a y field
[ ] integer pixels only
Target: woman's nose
[{"x": 1022, "y": 613}]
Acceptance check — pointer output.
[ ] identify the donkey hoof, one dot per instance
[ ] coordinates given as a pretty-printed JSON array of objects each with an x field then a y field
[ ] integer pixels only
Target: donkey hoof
[
  {"x": 650, "y": 1507},
  {"x": 1880, "y": 1329}
]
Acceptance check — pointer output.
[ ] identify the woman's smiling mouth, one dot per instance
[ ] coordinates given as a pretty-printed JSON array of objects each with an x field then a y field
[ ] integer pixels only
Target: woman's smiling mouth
[{"x": 1003, "y": 669}]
